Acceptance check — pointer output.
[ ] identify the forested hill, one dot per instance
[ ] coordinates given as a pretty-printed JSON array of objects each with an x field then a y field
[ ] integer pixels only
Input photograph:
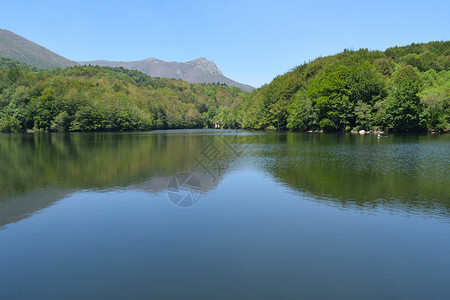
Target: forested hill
[
  {"x": 103, "y": 98},
  {"x": 402, "y": 89}
]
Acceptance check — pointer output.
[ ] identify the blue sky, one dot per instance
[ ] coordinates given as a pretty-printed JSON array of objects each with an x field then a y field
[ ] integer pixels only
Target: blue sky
[{"x": 250, "y": 41}]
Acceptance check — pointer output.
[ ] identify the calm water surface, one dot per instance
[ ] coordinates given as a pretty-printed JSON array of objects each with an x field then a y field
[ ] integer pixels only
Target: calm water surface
[{"x": 211, "y": 214}]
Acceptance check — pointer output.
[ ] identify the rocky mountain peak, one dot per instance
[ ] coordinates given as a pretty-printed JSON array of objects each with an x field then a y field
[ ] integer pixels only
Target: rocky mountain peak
[
  {"x": 152, "y": 59},
  {"x": 200, "y": 70},
  {"x": 206, "y": 66}
]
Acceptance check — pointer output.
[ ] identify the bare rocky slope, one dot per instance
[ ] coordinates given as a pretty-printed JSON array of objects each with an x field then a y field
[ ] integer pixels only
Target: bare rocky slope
[{"x": 200, "y": 70}]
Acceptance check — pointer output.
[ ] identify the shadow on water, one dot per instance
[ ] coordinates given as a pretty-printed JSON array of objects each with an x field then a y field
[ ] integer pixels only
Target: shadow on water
[{"x": 403, "y": 172}]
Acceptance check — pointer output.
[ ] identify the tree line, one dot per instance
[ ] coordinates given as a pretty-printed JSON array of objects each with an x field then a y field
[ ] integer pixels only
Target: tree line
[
  {"x": 402, "y": 89},
  {"x": 92, "y": 98}
]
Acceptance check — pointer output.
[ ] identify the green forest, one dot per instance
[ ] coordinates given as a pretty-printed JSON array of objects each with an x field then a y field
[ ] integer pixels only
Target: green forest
[
  {"x": 401, "y": 89},
  {"x": 92, "y": 98}
]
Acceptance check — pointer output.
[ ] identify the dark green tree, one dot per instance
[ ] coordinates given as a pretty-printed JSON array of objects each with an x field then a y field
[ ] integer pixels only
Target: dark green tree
[
  {"x": 302, "y": 115},
  {"x": 46, "y": 109},
  {"x": 338, "y": 90},
  {"x": 404, "y": 109}
]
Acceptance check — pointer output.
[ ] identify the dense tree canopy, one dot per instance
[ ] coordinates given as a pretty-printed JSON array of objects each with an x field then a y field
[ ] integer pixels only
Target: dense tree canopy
[
  {"x": 101, "y": 99},
  {"x": 403, "y": 89},
  {"x": 404, "y": 109}
]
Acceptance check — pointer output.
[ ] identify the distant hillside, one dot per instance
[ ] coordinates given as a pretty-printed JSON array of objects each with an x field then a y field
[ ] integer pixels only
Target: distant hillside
[
  {"x": 199, "y": 70},
  {"x": 16, "y": 47}
]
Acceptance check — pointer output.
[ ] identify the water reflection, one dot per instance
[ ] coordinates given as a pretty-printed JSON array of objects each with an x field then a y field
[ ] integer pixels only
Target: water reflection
[
  {"x": 409, "y": 173},
  {"x": 405, "y": 172}
]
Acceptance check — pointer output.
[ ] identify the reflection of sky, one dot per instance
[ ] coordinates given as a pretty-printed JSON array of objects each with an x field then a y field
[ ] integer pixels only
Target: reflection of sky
[{"x": 249, "y": 231}]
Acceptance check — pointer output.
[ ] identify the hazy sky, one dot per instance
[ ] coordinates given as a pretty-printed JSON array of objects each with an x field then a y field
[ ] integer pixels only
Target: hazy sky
[{"x": 250, "y": 41}]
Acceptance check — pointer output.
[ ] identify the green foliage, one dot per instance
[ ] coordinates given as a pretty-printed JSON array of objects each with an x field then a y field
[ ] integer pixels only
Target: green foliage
[
  {"x": 45, "y": 108},
  {"x": 436, "y": 100},
  {"x": 61, "y": 122},
  {"x": 402, "y": 89},
  {"x": 384, "y": 65},
  {"x": 13, "y": 74},
  {"x": 10, "y": 124},
  {"x": 8, "y": 63},
  {"x": 404, "y": 109},
  {"x": 337, "y": 91},
  {"x": 364, "y": 116},
  {"x": 110, "y": 99},
  {"x": 301, "y": 114},
  {"x": 358, "y": 90},
  {"x": 328, "y": 125}
]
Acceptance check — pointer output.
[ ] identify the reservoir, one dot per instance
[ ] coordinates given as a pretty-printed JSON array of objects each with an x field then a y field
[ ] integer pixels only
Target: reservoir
[{"x": 224, "y": 214}]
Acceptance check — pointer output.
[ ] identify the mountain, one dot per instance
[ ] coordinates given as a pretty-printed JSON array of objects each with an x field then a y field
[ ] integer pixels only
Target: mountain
[
  {"x": 200, "y": 70},
  {"x": 16, "y": 47}
]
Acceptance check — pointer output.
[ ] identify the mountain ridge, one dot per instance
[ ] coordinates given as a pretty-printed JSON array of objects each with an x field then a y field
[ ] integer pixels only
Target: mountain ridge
[
  {"x": 200, "y": 70},
  {"x": 21, "y": 49}
]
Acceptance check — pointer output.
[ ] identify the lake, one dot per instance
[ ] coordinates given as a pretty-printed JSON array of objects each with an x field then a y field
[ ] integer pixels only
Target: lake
[{"x": 224, "y": 214}]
